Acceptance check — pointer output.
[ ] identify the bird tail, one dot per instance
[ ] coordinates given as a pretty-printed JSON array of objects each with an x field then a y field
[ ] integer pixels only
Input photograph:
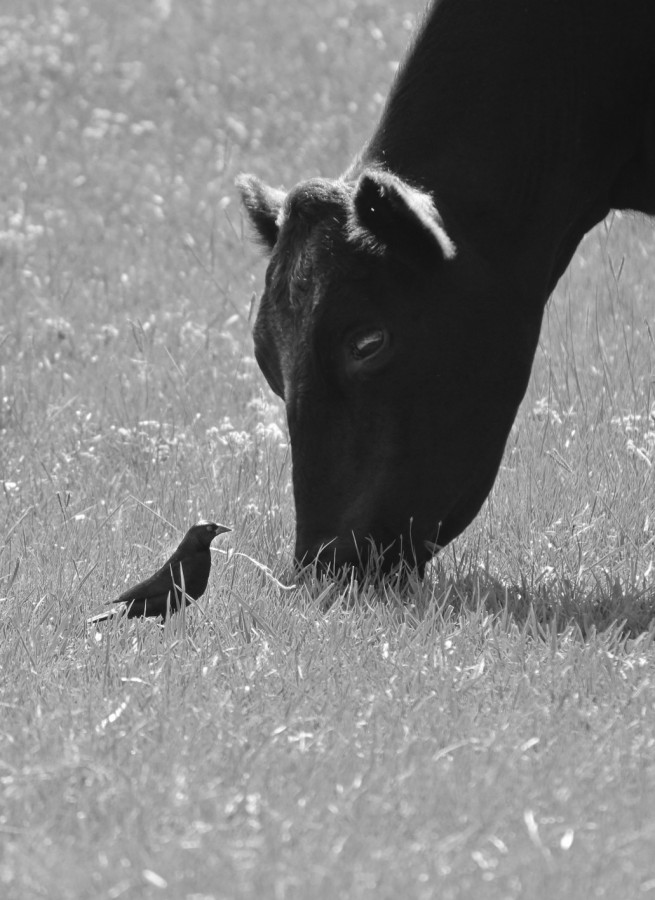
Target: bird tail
[{"x": 104, "y": 616}]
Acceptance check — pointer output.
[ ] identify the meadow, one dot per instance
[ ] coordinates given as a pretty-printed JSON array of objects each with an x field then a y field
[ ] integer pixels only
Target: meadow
[{"x": 491, "y": 733}]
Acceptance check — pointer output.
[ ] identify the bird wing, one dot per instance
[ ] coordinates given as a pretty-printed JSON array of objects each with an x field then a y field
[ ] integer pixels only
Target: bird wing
[
  {"x": 195, "y": 568},
  {"x": 159, "y": 583},
  {"x": 187, "y": 568},
  {"x": 104, "y": 616}
]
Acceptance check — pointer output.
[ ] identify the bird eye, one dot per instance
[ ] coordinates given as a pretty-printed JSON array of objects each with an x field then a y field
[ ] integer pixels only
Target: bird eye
[{"x": 366, "y": 344}]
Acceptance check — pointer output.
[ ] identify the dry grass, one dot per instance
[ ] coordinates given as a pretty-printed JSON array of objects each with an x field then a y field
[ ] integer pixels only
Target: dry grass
[{"x": 489, "y": 736}]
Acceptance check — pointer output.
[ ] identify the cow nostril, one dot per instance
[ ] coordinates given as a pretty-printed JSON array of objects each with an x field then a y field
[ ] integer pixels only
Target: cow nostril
[
  {"x": 327, "y": 557},
  {"x": 319, "y": 553},
  {"x": 343, "y": 558},
  {"x": 365, "y": 557}
]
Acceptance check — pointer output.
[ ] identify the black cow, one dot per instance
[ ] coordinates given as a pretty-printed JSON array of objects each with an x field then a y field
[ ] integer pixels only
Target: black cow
[{"x": 403, "y": 300}]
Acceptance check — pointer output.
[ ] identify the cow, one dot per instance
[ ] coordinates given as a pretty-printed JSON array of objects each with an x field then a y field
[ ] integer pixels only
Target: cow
[{"x": 403, "y": 300}]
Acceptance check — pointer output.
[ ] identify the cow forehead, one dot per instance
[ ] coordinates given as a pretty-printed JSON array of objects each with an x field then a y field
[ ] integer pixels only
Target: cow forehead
[
  {"x": 312, "y": 235},
  {"x": 313, "y": 200},
  {"x": 288, "y": 307},
  {"x": 312, "y": 253}
]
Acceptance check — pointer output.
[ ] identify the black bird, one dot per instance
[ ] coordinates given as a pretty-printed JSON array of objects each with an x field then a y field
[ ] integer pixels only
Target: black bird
[{"x": 185, "y": 574}]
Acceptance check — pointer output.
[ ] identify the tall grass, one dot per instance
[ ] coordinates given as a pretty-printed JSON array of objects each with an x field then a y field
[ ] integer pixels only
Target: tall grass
[{"x": 490, "y": 735}]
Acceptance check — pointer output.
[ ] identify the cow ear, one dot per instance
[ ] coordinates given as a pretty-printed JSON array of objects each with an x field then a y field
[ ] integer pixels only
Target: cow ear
[
  {"x": 263, "y": 205},
  {"x": 400, "y": 217}
]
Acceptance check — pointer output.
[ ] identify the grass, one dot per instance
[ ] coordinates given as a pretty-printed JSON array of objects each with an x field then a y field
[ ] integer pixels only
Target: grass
[{"x": 490, "y": 736}]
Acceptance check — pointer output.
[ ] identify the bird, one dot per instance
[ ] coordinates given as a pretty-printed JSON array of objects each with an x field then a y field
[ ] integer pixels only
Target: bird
[{"x": 184, "y": 574}]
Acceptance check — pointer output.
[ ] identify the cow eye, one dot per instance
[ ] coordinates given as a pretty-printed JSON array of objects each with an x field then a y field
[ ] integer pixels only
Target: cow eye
[{"x": 366, "y": 344}]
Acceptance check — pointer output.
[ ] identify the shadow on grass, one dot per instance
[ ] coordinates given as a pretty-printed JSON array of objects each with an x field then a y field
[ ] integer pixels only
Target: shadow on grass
[
  {"x": 544, "y": 608},
  {"x": 559, "y": 605}
]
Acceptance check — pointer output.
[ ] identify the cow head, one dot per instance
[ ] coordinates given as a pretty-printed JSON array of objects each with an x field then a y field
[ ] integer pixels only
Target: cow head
[{"x": 401, "y": 359}]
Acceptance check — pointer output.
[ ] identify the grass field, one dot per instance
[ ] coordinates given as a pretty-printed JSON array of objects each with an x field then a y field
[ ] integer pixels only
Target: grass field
[{"x": 491, "y": 736}]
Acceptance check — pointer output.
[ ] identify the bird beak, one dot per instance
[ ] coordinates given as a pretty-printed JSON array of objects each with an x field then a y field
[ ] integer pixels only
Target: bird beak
[{"x": 222, "y": 529}]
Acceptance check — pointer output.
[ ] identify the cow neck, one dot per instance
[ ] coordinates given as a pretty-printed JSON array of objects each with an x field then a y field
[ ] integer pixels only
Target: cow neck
[{"x": 502, "y": 111}]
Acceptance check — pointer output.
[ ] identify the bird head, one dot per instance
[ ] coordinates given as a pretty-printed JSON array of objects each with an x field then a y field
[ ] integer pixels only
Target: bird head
[{"x": 204, "y": 533}]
